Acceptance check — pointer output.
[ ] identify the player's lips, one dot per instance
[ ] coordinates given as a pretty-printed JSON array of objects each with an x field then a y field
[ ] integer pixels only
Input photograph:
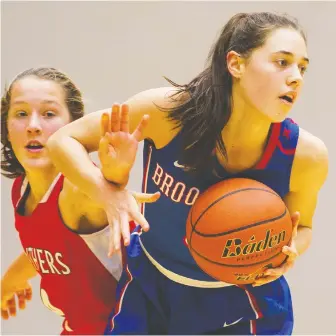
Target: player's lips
[
  {"x": 289, "y": 97},
  {"x": 34, "y": 146}
]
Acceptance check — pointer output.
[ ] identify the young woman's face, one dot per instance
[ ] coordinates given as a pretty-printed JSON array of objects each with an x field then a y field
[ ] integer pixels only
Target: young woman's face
[
  {"x": 37, "y": 110},
  {"x": 273, "y": 76}
]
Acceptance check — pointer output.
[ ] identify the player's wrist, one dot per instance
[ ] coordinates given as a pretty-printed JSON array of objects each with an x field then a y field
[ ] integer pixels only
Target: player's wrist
[{"x": 119, "y": 178}]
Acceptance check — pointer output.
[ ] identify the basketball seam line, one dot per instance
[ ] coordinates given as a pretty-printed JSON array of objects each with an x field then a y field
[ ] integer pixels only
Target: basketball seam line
[
  {"x": 265, "y": 221},
  {"x": 215, "y": 202},
  {"x": 227, "y": 195}
]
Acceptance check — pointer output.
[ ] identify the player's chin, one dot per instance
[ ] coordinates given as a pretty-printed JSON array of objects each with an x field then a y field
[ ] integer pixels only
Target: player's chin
[
  {"x": 37, "y": 163},
  {"x": 277, "y": 113},
  {"x": 278, "y": 117}
]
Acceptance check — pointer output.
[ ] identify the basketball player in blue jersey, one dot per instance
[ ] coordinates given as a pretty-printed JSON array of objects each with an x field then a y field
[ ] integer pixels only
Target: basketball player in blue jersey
[{"x": 229, "y": 121}]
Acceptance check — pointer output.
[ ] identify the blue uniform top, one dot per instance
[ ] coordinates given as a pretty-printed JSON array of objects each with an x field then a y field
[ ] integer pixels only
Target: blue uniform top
[{"x": 165, "y": 241}]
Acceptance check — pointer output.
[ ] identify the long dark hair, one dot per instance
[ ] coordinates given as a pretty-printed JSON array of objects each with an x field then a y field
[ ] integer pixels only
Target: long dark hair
[
  {"x": 10, "y": 166},
  {"x": 206, "y": 111}
]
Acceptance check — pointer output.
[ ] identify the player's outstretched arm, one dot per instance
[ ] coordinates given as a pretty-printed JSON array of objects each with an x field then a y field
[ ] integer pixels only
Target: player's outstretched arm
[{"x": 70, "y": 146}]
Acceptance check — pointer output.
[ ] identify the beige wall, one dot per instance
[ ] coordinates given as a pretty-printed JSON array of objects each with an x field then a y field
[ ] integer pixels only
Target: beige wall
[{"x": 115, "y": 49}]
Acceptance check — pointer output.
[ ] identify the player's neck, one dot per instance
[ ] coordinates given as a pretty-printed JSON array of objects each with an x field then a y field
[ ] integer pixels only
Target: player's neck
[
  {"x": 244, "y": 137},
  {"x": 246, "y": 129},
  {"x": 40, "y": 181}
]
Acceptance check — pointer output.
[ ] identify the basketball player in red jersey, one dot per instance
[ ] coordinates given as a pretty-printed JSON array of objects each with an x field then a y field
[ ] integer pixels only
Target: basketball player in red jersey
[
  {"x": 230, "y": 120},
  {"x": 65, "y": 235}
]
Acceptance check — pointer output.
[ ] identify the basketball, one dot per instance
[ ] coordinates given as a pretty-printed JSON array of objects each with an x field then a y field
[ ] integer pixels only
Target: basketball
[{"x": 236, "y": 230}]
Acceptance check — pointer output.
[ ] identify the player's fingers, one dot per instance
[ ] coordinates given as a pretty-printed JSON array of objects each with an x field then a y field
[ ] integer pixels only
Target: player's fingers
[
  {"x": 104, "y": 145},
  {"x": 115, "y": 118},
  {"x": 114, "y": 242},
  {"x": 146, "y": 198},
  {"x": 124, "y": 120},
  {"x": 295, "y": 220},
  {"x": 138, "y": 132},
  {"x": 278, "y": 271},
  {"x": 4, "y": 314},
  {"x": 111, "y": 220},
  {"x": 21, "y": 299},
  {"x": 105, "y": 125},
  {"x": 29, "y": 293},
  {"x": 275, "y": 271},
  {"x": 125, "y": 228},
  {"x": 11, "y": 304},
  {"x": 264, "y": 280},
  {"x": 290, "y": 251},
  {"x": 140, "y": 219},
  {"x": 116, "y": 234}
]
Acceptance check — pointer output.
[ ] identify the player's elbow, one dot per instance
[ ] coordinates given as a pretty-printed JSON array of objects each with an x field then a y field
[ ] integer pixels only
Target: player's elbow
[{"x": 55, "y": 143}]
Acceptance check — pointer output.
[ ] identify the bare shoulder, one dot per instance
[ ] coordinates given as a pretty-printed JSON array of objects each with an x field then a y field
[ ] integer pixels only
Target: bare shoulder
[
  {"x": 310, "y": 166},
  {"x": 161, "y": 96}
]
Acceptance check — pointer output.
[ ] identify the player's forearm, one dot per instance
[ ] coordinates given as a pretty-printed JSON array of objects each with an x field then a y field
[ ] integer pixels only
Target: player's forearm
[
  {"x": 19, "y": 271},
  {"x": 303, "y": 239},
  {"x": 72, "y": 159}
]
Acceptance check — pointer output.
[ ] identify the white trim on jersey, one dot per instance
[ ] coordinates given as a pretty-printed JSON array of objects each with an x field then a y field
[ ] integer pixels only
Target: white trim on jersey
[
  {"x": 98, "y": 243},
  {"x": 181, "y": 279},
  {"x": 46, "y": 195}
]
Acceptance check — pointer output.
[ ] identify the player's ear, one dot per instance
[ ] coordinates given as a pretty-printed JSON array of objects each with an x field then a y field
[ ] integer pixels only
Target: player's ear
[{"x": 235, "y": 64}]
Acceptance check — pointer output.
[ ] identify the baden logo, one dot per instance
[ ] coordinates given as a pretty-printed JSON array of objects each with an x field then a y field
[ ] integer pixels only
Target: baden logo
[{"x": 235, "y": 247}]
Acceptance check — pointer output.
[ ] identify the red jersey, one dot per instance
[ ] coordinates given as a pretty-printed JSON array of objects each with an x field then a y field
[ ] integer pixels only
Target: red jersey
[{"x": 78, "y": 280}]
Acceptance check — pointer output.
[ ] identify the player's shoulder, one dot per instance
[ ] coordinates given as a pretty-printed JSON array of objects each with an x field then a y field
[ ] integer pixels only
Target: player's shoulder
[
  {"x": 311, "y": 149},
  {"x": 165, "y": 96},
  {"x": 157, "y": 103},
  {"x": 311, "y": 159}
]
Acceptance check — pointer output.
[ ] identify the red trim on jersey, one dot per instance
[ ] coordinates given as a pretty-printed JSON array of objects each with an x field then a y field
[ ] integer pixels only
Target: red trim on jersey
[
  {"x": 290, "y": 151},
  {"x": 120, "y": 301},
  {"x": 271, "y": 145},
  {"x": 253, "y": 302},
  {"x": 253, "y": 324},
  {"x": 292, "y": 121},
  {"x": 132, "y": 225}
]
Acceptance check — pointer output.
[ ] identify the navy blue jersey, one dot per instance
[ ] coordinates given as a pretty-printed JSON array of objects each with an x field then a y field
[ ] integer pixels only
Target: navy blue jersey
[{"x": 163, "y": 171}]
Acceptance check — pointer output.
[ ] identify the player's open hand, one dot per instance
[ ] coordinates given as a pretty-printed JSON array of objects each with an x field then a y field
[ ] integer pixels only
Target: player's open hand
[
  {"x": 291, "y": 252},
  {"x": 14, "y": 298},
  {"x": 121, "y": 207},
  {"x": 118, "y": 147}
]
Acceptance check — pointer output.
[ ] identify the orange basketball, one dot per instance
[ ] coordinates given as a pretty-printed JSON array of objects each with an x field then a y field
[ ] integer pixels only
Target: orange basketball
[{"x": 236, "y": 230}]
